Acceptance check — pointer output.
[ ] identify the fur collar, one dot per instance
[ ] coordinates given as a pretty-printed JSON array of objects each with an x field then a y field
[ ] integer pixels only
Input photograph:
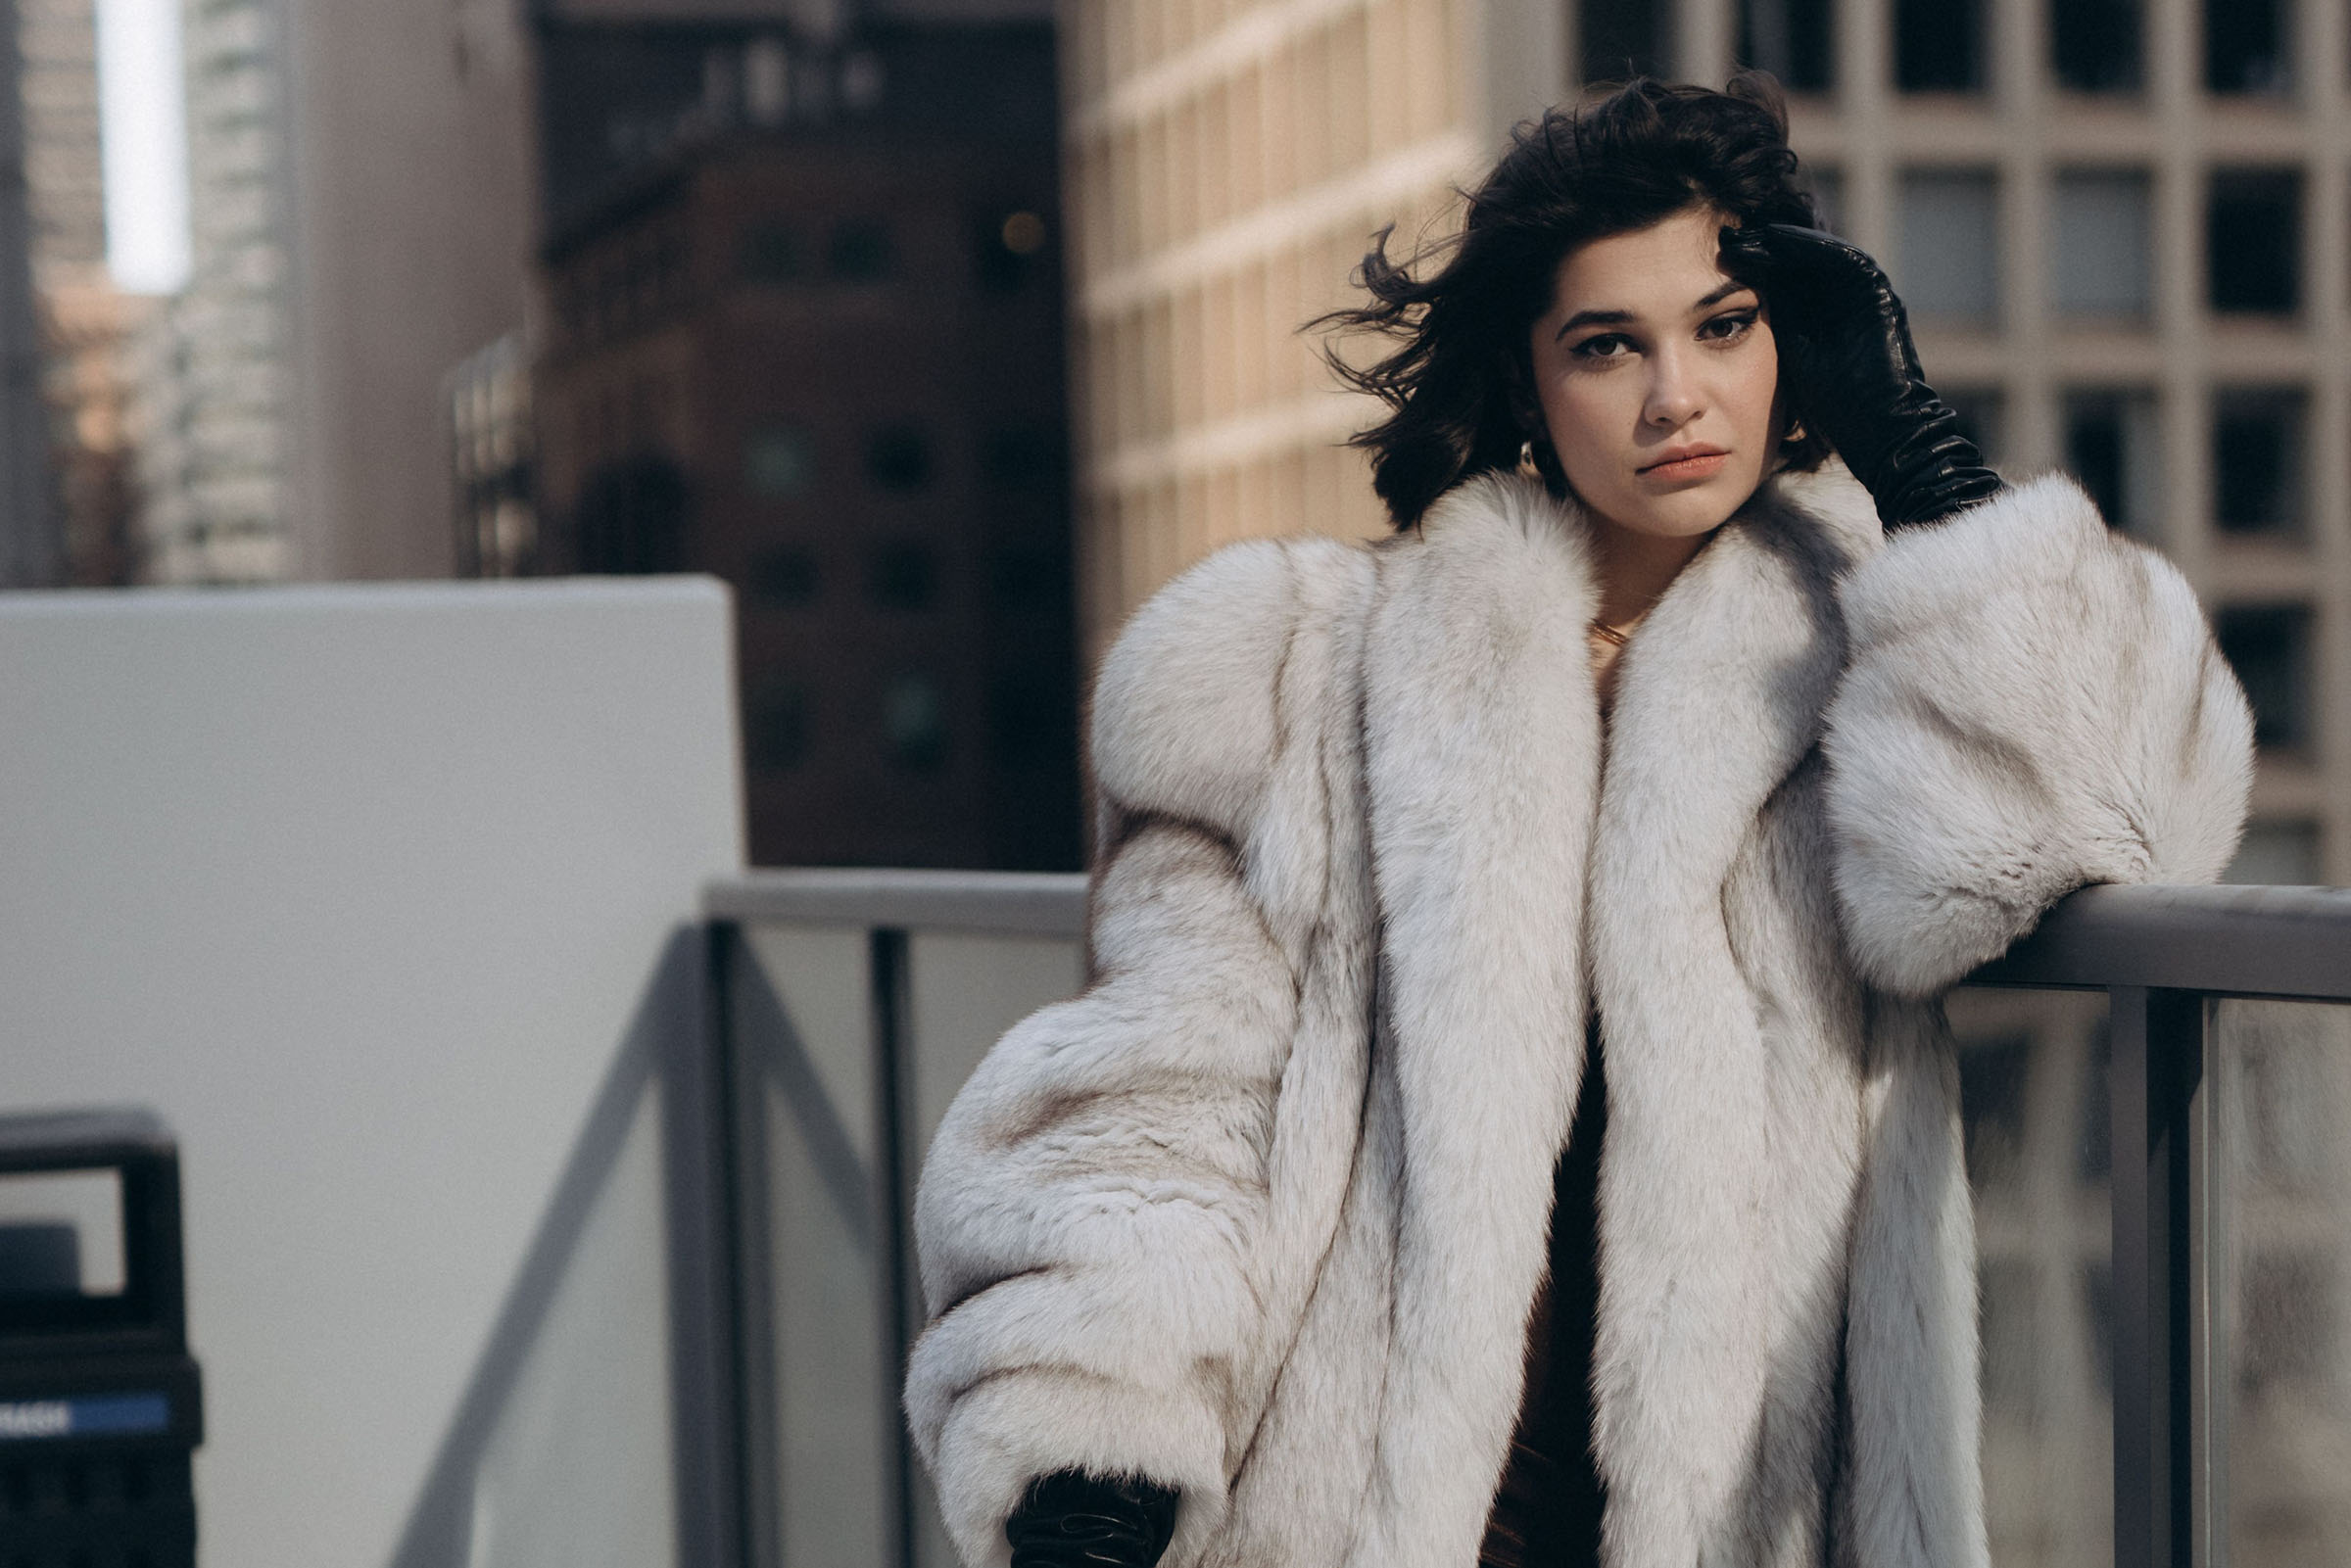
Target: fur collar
[{"x": 1492, "y": 828}]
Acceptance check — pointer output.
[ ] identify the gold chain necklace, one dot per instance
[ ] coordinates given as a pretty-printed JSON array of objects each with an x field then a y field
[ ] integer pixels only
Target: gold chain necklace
[{"x": 1608, "y": 634}]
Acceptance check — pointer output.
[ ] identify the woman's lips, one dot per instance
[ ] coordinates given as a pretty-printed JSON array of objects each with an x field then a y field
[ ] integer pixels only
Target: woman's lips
[{"x": 1697, "y": 466}]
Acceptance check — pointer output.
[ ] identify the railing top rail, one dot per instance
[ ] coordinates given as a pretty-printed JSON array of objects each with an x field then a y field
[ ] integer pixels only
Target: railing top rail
[
  {"x": 1012, "y": 903},
  {"x": 2233, "y": 941},
  {"x": 2238, "y": 942}
]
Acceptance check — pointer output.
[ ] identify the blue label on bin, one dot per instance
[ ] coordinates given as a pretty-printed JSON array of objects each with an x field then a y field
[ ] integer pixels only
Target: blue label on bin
[{"x": 87, "y": 1416}]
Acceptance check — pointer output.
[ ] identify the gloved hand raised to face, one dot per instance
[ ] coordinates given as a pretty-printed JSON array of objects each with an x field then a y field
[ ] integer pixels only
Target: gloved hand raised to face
[{"x": 1852, "y": 374}]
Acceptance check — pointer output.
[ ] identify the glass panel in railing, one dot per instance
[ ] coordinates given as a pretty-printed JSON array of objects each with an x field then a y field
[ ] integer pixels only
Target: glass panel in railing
[
  {"x": 964, "y": 990},
  {"x": 576, "y": 1472},
  {"x": 2032, "y": 1090},
  {"x": 803, "y": 1017},
  {"x": 2280, "y": 1242}
]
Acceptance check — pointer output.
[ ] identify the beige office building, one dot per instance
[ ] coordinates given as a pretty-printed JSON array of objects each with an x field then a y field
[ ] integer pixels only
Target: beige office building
[{"x": 2123, "y": 233}]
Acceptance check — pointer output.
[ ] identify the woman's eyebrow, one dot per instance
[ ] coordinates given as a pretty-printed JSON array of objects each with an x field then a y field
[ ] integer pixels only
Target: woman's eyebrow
[
  {"x": 1615, "y": 319},
  {"x": 1592, "y": 319}
]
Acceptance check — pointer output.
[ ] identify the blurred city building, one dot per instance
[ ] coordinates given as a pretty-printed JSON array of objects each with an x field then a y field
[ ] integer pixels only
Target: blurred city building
[
  {"x": 1226, "y": 165},
  {"x": 86, "y": 490},
  {"x": 359, "y": 179},
  {"x": 805, "y": 330},
  {"x": 30, "y": 550},
  {"x": 2121, "y": 226}
]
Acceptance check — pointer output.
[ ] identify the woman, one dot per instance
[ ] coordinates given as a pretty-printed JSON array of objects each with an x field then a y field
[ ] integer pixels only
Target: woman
[{"x": 1307, "y": 1235}]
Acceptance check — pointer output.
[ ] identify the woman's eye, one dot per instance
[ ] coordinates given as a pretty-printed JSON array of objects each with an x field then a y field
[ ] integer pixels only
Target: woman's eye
[
  {"x": 1723, "y": 329},
  {"x": 1608, "y": 345}
]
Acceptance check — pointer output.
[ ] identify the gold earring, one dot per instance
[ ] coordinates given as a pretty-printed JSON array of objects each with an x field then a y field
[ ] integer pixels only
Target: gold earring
[{"x": 1528, "y": 467}]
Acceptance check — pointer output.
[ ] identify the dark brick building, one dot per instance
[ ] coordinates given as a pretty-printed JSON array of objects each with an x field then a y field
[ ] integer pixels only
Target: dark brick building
[{"x": 805, "y": 331}]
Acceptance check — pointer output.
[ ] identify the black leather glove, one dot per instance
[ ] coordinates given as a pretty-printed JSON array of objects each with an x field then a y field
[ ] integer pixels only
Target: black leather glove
[
  {"x": 1845, "y": 354},
  {"x": 1072, "y": 1520}
]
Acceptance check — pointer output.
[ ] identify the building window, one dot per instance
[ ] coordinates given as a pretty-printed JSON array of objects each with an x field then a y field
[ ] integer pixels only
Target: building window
[
  {"x": 770, "y": 252},
  {"x": 1827, "y": 188},
  {"x": 779, "y": 461},
  {"x": 902, "y": 574},
  {"x": 2257, "y": 447},
  {"x": 1007, "y": 249},
  {"x": 859, "y": 251},
  {"x": 899, "y": 458},
  {"x": 633, "y": 518},
  {"x": 2112, "y": 446},
  {"x": 1625, "y": 38},
  {"x": 1024, "y": 579},
  {"x": 2098, "y": 46},
  {"x": 787, "y": 576},
  {"x": 1022, "y": 460},
  {"x": 2279, "y": 853},
  {"x": 1031, "y": 718},
  {"x": 2253, "y": 240},
  {"x": 775, "y": 726},
  {"x": 2245, "y": 46},
  {"x": 1792, "y": 39},
  {"x": 1983, "y": 418},
  {"x": 2101, "y": 258},
  {"x": 1939, "y": 45},
  {"x": 914, "y": 724},
  {"x": 1949, "y": 248},
  {"x": 2268, "y": 647}
]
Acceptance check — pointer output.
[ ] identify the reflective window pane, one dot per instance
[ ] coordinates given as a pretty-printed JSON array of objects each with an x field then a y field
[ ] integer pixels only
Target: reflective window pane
[
  {"x": 2268, "y": 647},
  {"x": 1949, "y": 245},
  {"x": 2112, "y": 446},
  {"x": 2253, "y": 240},
  {"x": 1625, "y": 38},
  {"x": 2247, "y": 46},
  {"x": 2097, "y": 45},
  {"x": 2279, "y": 1169},
  {"x": 2257, "y": 460},
  {"x": 1939, "y": 45},
  {"x": 1792, "y": 40},
  {"x": 2101, "y": 248}
]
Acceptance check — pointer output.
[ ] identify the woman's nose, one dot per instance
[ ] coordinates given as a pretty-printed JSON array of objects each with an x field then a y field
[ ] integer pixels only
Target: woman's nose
[{"x": 1674, "y": 397}]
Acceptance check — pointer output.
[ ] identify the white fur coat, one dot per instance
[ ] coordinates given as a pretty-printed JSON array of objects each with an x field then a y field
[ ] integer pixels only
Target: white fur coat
[{"x": 1260, "y": 1216}]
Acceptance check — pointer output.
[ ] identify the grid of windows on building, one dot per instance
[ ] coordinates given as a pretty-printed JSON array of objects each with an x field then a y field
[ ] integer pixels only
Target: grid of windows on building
[
  {"x": 2122, "y": 242},
  {"x": 811, "y": 343}
]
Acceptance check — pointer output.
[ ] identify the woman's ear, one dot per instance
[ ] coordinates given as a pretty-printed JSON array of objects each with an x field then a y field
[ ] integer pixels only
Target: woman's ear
[{"x": 1518, "y": 391}]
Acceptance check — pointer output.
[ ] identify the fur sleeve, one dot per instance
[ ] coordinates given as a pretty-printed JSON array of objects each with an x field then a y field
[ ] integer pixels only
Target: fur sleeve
[
  {"x": 2032, "y": 703},
  {"x": 1091, "y": 1218}
]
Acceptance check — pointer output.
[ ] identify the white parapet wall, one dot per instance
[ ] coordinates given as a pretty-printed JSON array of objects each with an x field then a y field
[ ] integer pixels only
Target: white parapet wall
[{"x": 362, "y": 889}]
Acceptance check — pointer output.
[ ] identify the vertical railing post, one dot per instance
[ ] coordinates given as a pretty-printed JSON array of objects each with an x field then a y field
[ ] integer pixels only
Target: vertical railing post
[
  {"x": 2158, "y": 1058},
  {"x": 892, "y": 1042}
]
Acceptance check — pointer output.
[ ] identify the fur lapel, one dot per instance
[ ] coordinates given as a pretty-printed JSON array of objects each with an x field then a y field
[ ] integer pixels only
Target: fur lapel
[
  {"x": 1720, "y": 697},
  {"x": 1482, "y": 752},
  {"x": 1483, "y": 756}
]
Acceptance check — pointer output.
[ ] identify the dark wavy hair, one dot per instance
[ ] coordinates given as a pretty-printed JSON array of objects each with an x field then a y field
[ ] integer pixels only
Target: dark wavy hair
[{"x": 1458, "y": 383}]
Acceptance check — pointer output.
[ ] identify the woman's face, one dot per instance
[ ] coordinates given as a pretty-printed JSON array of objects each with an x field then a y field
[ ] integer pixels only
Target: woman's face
[{"x": 1657, "y": 375}]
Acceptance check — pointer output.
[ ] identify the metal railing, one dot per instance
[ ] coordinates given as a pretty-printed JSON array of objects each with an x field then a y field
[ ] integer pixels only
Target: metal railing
[
  {"x": 849, "y": 1005},
  {"x": 2165, "y": 957}
]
